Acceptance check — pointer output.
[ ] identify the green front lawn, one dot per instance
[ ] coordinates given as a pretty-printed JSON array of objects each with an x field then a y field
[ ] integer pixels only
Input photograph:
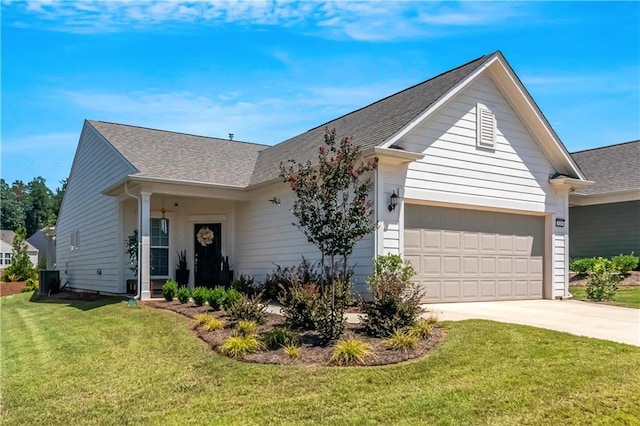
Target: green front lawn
[
  {"x": 105, "y": 363},
  {"x": 628, "y": 296}
]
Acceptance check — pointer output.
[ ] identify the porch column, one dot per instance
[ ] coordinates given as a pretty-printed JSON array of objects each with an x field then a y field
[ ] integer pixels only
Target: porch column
[{"x": 144, "y": 260}]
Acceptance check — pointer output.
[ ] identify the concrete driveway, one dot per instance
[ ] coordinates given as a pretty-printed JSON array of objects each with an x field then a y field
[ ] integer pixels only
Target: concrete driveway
[{"x": 571, "y": 316}]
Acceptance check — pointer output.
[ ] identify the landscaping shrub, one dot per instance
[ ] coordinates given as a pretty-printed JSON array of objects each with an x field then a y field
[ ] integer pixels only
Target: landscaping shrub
[
  {"x": 237, "y": 346},
  {"x": 200, "y": 295},
  {"x": 329, "y": 323},
  {"x": 213, "y": 324},
  {"x": 401, "y": 340},
  {"x": 216, "y": 298},
  {"x": 169, "y": 290},
  {"x": 246, "y": 328},
  {"x": 280, "y": 337},
  {"x": 395, "y": 300},
  {"x": 21, "y": 268},
  {"x": 292, "y": 351},
  {"x": 298, "y": 304},
  {"x": 245, "y": 284},
  {"x": 183, "y": 294},
  {"x": 602, "y": 282},
  {"x": 351, "y": 351},
  {"x": 422, "y": 328},
  {"x": 625, "y": 263},
  {"x": 31, "y": 285},
  {"x": 282, "y": 279},
  {"x": 582, "y": 265},
  {"x": 230, "y": 298},
  {"x": 247, "y": 309}
]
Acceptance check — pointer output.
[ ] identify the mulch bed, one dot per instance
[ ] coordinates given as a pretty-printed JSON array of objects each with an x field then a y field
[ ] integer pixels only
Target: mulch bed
[
  {"x": 633, "y": 279},
  {"x": 7, "y": 289},
  {"x": 312, "y": 354}
]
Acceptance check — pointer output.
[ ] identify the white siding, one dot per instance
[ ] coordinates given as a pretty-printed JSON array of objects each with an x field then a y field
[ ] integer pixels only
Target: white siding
[
  {"x": 514, "y": 176},
  {"x": 94, "y": 216},
  {"x": 265, "y": 235}
]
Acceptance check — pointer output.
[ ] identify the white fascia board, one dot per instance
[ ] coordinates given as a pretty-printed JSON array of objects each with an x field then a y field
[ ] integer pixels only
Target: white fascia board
[
  {"x": 568, "y": 183},
  {"x": 199, "y": 188},
  {"x": 436, "y": 105},
  {"x": 391, "y": 155}
]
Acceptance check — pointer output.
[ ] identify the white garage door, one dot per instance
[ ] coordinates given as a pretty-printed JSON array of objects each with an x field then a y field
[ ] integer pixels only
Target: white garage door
[{"x": 469, "y": 255}]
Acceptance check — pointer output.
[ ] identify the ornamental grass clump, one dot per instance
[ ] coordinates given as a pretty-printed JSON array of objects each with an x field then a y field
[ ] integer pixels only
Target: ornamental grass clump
[
  {"x": 169, "y": 290},
  {"x": 422, "y": 328},
  {"x": 401, "y": 340},
  {"x": 213, "y": 324},
  {"x": 280, "y": 337},
  {"x": 238, "y": 346},
  {"x": 202, "y": 319},
  {"x": 292, "y": 351},
  {"x": 246, "y": 328},
  {"x": 351, "y": 351},
  {"x": 395, "y": 300}
]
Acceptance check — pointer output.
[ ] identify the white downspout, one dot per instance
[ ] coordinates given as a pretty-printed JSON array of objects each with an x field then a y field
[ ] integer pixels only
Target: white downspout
[{"x": 126, "y": 191}]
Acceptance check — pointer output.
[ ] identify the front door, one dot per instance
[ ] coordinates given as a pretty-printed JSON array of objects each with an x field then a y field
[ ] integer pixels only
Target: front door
[{"x": 208, "y": 254}]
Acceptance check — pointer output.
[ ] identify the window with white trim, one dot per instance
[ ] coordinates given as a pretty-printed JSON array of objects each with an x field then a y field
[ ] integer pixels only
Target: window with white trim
[
  {"x": 8, "y": 258},
  {"x": 486, "y": 127},
  {"x": 159, "y": 249}
]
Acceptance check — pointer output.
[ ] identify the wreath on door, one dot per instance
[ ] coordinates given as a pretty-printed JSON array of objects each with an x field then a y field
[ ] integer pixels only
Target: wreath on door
[{"x": 205, "y": 236}]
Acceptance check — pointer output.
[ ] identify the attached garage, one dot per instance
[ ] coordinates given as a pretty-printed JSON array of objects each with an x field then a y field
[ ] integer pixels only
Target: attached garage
[{"x": 471, "y": 255}]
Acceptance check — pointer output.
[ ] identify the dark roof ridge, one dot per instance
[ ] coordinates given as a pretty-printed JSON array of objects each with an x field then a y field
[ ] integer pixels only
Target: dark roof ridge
[
  {"x": 402, "y": 91},
  {"x": 179, "y": 133},
  {"x": 606, "y": 146}
]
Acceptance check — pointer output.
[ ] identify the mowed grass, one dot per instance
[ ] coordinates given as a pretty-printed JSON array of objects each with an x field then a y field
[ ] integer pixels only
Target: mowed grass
[
  {"x": 106, "y": 363},
  {"x": 627, "y": 296}
]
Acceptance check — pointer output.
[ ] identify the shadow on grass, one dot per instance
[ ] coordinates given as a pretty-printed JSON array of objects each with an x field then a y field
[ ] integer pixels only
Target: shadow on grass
[{"x": 81, "y": 301}]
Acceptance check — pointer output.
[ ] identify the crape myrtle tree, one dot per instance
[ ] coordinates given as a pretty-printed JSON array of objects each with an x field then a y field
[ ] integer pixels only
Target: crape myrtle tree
[{"x": 333, "y": 211}]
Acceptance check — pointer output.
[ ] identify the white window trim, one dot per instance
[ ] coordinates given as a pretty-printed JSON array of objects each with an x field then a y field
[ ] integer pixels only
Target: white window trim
[
  {"x": 485, "y": 122},
  {"x": 170, "y": 260}
]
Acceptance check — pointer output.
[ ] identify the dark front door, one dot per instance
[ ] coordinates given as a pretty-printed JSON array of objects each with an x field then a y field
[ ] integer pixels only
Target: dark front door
[{"x": 208, "y": 254}]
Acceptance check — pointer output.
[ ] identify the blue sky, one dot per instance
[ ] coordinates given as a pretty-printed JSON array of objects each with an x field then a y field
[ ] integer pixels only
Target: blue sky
[{"x": 267, "y": 71}]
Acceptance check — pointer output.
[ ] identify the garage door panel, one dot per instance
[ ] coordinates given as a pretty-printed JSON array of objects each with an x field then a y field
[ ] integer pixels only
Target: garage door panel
[{"x": 471, "y": 255}]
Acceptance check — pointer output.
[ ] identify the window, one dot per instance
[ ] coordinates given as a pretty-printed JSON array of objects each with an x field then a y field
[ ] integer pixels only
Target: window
[
  {"x": 7, "y": 258},
  {"x": 486, "y": 127},
  {"x": 159, "y": 248}
]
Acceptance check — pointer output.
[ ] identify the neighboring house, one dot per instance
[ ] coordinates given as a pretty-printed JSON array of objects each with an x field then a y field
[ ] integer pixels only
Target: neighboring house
[
  {"x": 605, "y": 217},
  {"x": 6, "y": 249},
  {"x": 45, "y": 241},
  {"x": 482, "y": 178}
]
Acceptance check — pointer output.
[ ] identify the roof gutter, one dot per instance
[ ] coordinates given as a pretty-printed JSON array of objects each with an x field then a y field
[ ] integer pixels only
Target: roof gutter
[
  {"x": 390, "y": 155},
  {"x": 565, "y": 182}
]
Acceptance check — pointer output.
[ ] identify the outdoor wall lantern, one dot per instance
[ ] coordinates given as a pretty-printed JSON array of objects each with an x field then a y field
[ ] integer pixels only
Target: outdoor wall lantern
[
  {"x": 560, "y": 223},
  {"x": 393, "y": 201}
]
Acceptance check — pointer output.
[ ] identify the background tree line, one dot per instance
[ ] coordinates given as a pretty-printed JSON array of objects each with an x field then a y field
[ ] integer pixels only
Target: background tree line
[{"x": 32, "y": 205}]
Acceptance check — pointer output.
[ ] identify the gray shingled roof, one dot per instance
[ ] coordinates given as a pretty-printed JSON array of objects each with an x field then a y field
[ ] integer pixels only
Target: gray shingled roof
[
  {"x": 368, "y": 126},
  {"x": 8, "y": 236},
  {"x": 180, "y": 156},
  {"x": 614, "y": 168}
]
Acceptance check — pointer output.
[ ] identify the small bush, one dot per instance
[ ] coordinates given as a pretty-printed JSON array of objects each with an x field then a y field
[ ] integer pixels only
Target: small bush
[
  {"x": 582, "y": 265},
  {"x": 183, "y": 294},
  {"x": 212, "y": 324},
  {"x": 231, "y": 297},
  {"x": 283, "y": 278},
  {"x": 602, "y": 282},
  {"x": 200, "y": 295},
  {"x": 351, "y": 351},
  {"x": 201, "y": 319},
  {"x": 245, "y": 284},
  {"x": 280, "y": 337},
  {"x": 395, "y": 299},
  {"x": 246, "y": 328},
  {"x": 328, "y": 323},
  {"x": 216, "y": 298},
  {"x": 422, "y": 328},
  {"x": 292, "y": 351},
  {"x": 298, "y": 304},
  {"x": 401, "y": 340},
  {"x": 238, "y": 346},
  {"x": 248, "y": 309},
  {"x": 169, "y": 290},
  {"x": 625, "y": 263},
  {"x": 31, "y": 285}
]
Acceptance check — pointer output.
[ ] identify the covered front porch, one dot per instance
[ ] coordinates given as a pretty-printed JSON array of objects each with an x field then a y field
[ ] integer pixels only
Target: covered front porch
[{"x": 174, "y": 222}]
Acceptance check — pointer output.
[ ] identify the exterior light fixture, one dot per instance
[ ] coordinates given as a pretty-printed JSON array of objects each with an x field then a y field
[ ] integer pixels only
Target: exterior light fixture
[
  {"x": 560, "y": 223},
  {"x": 393, "y": 201},
  {"x": 164, "y": 224}
]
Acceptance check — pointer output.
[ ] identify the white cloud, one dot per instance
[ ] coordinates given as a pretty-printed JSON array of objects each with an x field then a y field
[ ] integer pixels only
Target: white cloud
[{"x": 357, "y": 20}]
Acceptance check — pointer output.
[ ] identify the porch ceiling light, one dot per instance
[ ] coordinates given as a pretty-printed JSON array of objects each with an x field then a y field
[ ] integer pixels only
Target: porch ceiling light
[{"x": 393, "y": 201}]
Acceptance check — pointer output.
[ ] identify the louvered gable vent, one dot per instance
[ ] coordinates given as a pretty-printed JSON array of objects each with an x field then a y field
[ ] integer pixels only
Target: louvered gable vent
[{"x": 486, "y": 127}]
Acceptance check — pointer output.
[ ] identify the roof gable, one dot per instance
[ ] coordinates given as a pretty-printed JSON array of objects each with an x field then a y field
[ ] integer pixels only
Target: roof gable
[
  {"x": 182, "y": 157},
  {"x": 614, "y": 168}
]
